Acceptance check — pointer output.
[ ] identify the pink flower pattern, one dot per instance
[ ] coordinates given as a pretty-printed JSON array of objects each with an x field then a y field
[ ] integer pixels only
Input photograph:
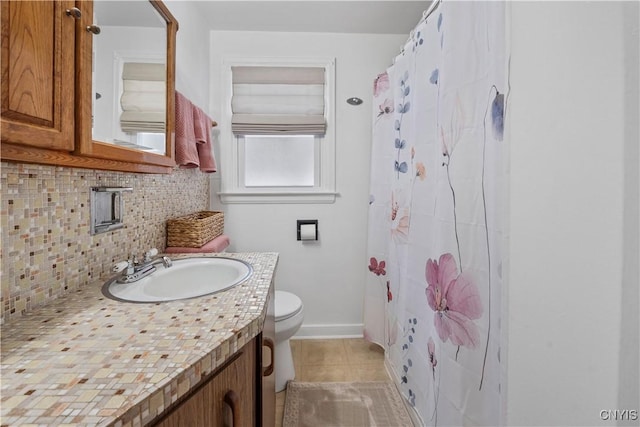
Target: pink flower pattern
[
  {"x": 455, "y": 300},
  {"x": 376, "y": 267},
  {"x": 380, "y": 84},
  {"x": 386, "y": 107}
]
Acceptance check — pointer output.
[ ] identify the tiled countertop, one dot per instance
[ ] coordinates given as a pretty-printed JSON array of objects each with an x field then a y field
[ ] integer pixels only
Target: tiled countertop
[{"x": 87, "y": 360}]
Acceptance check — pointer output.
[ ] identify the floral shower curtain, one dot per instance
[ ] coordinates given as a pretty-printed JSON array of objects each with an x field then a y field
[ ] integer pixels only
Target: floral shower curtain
[{"x": 433, "y": 292}]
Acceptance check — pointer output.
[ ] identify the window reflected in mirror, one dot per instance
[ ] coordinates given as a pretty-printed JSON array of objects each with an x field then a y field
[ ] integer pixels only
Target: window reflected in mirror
[{"x": 129, "y": 75}]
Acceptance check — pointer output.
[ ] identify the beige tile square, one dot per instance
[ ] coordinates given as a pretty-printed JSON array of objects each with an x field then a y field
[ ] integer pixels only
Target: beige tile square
[
  {"x": 87, "y": 396},
  {"x": 367, "y": 372},
  {"x": 39, "y": 378},
  {"x": 115, "y": 402},
  {"x": 280, "y": 398},
  {"x": 360, "y": 351},
  {"x": 296, "y": 353},
  {"x": 322, "y": 373},
  {"x": 13, "y": 401},
  {"x": 156, "y": 403},
  {"x": 12, "y": 179},
  {"x": 296, "y": 347},
  {"x": 323, "y": 352},
  {"x": 279, "y": 415}
]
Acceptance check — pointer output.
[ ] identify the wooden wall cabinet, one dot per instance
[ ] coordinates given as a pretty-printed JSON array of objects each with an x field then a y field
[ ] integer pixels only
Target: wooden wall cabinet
[
  {"x": 38, "y": 73},
  {"x": 46, "y": 89},
  {"x": 228, "y": 398}
]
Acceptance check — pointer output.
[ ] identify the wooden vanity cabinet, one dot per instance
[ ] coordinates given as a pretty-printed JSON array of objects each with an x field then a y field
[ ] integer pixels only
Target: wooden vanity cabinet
[
  {"x": 228, "y": 398},
  {"x": 46, "y": 89}
]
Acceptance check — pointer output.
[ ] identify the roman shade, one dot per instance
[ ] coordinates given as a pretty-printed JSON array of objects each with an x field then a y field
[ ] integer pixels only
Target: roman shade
[
  {"x": 143, "y": 98},
  {"x": 278, "y": 100}
]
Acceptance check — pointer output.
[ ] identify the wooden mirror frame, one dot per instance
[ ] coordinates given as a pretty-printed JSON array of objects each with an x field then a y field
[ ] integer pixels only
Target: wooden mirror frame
[{"x": 85, "y": 145}]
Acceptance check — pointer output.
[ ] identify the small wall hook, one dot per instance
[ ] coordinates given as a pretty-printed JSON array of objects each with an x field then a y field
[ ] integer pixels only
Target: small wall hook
[{"x": 354, "y": 101}]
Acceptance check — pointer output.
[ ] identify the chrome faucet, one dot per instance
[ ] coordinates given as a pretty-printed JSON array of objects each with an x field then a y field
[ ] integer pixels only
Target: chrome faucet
[{"x": 132, "y": 270}]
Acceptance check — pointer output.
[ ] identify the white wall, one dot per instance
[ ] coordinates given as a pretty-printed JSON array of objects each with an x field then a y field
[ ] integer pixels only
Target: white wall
[
  {"x": 628, "y": 389},
  {"x": 567, "y": 196},
  {"x": 327, "y": 275},
  {"x": 192, "y": 52}
]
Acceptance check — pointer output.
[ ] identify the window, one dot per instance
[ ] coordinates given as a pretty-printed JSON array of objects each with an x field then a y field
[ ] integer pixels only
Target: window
[
  {"x": 279, "y": 161},
  {"x": 280, "y": 146}
]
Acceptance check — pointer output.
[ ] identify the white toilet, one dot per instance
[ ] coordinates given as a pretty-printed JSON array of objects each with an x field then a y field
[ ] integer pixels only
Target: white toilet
[{"x": 289, "y": 316}]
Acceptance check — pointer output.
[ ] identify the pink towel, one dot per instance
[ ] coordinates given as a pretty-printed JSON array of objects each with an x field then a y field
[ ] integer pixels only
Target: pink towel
[
  {"x": 202, "y": 130},
  {"x": 186, "y": 151},
  {"x": 218, "y": 244}
]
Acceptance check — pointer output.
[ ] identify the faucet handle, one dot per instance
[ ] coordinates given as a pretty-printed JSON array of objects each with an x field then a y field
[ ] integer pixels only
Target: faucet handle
[
  {"x": 120, "y": 266},
  {"x": 150, "y": 254}
]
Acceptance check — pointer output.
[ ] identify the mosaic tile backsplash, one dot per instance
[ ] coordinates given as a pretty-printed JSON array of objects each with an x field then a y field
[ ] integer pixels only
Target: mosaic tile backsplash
[{"x": 47, "y": 249}]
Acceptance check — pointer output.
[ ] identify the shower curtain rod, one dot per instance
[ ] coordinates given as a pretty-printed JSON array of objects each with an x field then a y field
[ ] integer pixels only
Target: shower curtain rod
[{"x": 432, "y": 7}]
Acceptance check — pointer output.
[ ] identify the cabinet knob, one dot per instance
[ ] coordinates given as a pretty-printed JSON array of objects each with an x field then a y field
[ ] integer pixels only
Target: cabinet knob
[
  {"x": 93, "y": 29},
  {"x": 74, "y": 12}
]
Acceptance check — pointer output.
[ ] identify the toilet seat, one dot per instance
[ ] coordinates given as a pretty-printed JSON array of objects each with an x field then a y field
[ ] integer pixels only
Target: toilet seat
[{"x": 286, "y": 305}]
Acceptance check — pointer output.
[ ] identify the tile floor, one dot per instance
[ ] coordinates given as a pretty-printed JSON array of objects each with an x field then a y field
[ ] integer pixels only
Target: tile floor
[{"x": 352, "y": 359}]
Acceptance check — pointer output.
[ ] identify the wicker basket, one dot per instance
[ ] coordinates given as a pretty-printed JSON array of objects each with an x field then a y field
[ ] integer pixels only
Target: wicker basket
[{"x": 194, "y": 230}]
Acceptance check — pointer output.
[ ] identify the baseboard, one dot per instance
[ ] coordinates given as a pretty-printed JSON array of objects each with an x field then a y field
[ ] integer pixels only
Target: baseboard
[{"x": 329, "y": 331}]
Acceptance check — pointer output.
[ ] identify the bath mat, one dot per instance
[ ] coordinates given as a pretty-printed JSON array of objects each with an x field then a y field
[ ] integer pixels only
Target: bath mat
[{"x": 349, "y": 404}]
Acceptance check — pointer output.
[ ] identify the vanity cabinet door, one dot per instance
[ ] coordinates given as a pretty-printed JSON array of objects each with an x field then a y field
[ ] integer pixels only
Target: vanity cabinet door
[
  {"x": 268, "y": 387},
  {"x": 37, "y": 73},
  {"x": 228, "y": 399}
]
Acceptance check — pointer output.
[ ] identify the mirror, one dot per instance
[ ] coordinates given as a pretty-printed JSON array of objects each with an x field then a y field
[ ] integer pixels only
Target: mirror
[{"x": 129, "y": 75}]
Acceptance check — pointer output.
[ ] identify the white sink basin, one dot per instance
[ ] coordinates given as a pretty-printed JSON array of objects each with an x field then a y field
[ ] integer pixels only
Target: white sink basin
[{"x": 186, "y": 278}]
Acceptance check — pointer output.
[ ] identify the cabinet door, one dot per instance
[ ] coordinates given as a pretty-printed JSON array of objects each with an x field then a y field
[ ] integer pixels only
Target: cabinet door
[
  {"x": 228, "y": 399},
  {"x": 267, "y": 402},
  {"x": 86, "y": 145},
  {"x": 37, "y": 73},
  {"x": 234, "y": 391}
]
